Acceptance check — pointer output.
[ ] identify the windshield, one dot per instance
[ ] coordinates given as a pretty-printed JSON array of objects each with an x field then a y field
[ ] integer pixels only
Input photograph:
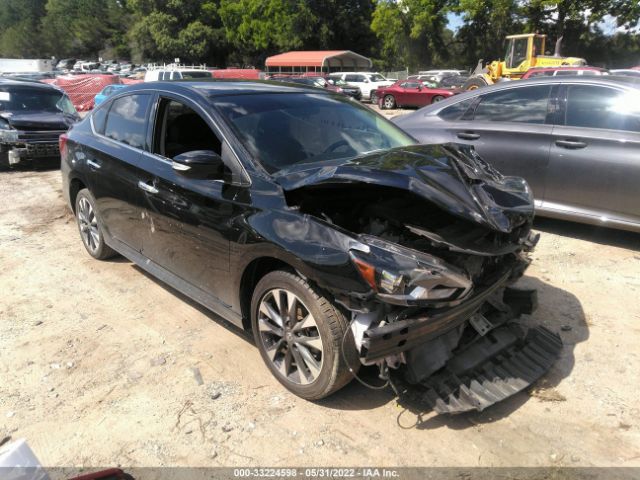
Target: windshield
[
  {"x": 202, "y": 74},
  {"x": 320, "y": 81},
  {"x": 31, "y": 99},
  {"x": 376, "y": 77},
  {"x": 281, "y": 130}
]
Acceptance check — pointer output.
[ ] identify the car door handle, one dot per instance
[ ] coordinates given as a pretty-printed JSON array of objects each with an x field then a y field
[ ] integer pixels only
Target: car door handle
[
  {"x": 468, "y": 135},
  {"x": 93, "y": 165},
  {"x": 146, "y": 187},
  {"x": 571, "y": 144}
]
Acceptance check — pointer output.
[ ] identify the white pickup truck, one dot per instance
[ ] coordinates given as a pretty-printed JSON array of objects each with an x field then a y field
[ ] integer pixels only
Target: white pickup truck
[
  {"x": 367, "y": 81},
  {"x": 175, "y": 74}
]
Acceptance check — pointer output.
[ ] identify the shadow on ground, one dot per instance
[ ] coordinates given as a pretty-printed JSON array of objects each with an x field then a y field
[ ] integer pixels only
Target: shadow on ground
[
  {"x": 558, "y": 310},
  {"x": 41, "y": 165},
  {"x": 244, "y": 335},
  {"x": 589, "y": 233}
]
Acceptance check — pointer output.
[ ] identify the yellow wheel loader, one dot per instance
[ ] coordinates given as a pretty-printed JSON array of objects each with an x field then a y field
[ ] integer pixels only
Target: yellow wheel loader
[{"x": 523, "y": 52}]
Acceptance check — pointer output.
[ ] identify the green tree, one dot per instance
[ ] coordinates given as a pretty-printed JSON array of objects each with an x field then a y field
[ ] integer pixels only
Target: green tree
[
  {"x": 485, "y": 25},
  {"x": 188, "y": 29},
  {"x": 256, "y": 29},
  {"x": 83, "y": 27},
  {"x": 20, "y": 28},
  {"x": 342, "y": 25},
  {"x": 412, "y": 33}
]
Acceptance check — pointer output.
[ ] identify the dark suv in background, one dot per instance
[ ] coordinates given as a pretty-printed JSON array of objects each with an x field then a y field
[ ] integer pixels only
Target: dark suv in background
[
  {"x": 322, "y": 227},
  {"x": 33, "y": 115}
]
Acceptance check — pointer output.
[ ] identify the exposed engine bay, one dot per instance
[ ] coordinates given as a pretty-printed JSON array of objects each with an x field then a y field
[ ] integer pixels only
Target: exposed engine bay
[{"x": 441, "y": 322}]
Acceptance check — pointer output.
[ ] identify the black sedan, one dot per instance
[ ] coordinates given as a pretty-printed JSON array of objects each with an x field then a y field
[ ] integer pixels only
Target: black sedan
[
  {"x": 576, "y": 140},
  {"x": 320, "y": 226}
]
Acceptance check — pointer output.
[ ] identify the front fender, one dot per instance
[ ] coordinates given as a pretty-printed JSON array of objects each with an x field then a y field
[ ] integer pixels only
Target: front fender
[{"x": 318, "y": 250}]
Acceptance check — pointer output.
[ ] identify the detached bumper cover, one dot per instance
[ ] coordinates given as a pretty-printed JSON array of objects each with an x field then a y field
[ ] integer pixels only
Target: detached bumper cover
[{"x": 491, "y": 370}]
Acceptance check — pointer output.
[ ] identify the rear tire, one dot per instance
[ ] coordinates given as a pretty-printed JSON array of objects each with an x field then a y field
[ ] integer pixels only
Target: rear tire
[
  {"x": 389, "y": 102},
  {"x": 301, "y": 345},
  {"x": 90, "y": 226},
  {"x": 474, "y": 83}
]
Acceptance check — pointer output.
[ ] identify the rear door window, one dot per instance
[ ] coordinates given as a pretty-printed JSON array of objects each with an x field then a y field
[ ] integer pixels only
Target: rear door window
[
  {"x": 126, "y": 121},
  {"x": 456, "y": 111},
  {"x": 522, "y": 105},
  {"x": 590, "y": 106}
]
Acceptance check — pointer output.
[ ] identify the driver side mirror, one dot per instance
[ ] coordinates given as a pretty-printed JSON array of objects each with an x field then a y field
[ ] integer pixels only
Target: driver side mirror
[{"x": 199, "y": 164}]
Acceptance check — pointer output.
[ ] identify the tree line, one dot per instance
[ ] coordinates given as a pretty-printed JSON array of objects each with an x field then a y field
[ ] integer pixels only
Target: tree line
[{"x": 396, "y": 34}]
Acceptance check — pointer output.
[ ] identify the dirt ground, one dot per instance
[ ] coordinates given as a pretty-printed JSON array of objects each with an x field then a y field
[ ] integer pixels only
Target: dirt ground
[{"x": 101, "y": 365}]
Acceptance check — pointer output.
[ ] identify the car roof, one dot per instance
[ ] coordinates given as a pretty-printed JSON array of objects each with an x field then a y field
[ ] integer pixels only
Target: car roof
[
  {"x": 351, "y": 73},
  {"x": 14, "y": 82},
  {"x": 610, "y": 80},
  {"x": 221, "y": 87}
]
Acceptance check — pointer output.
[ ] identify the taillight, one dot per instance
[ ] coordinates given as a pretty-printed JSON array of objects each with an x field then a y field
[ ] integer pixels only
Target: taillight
[{"x": 62, "y": 143}]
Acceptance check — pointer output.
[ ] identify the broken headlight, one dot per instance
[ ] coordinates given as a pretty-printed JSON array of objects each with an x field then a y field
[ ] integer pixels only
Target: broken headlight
[
  {"x": 404, "y": 276},
  {"x": 7, "y": 134}
]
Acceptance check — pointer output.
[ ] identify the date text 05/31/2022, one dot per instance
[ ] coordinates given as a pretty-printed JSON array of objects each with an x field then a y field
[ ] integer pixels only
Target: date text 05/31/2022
[{"x": 315, "y": 473}]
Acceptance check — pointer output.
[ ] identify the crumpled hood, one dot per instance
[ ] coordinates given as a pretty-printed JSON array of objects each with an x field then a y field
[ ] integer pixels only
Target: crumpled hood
[
  {"x": 38, "y": 120},
  {"x": 450, "y": 176}
]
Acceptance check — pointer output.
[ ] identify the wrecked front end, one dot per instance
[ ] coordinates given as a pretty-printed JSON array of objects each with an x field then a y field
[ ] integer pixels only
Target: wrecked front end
[
  {"x": 441, "y": 239},
  {"x": 30, "y": 136}
]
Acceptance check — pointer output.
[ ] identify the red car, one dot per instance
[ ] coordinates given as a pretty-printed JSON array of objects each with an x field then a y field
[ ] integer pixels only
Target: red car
[{"x": 408, "y": 93}]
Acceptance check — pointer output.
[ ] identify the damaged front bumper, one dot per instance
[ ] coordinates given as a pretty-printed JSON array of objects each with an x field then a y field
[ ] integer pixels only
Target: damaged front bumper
[
  {"x": 30, "y": 145},
  {"x": 402, "y": 335},
  {"x": 461, "y": 352}
]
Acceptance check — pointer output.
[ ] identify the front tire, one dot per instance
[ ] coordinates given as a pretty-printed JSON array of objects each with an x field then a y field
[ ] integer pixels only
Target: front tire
[
  {"x": 474, "y": 83},
  {"x": 90, "y": 227},
  {"x": 389, "y": 102},
  {"x": 437, "y": 98},
  {"x": 299, "y": 333},
  {"x": 373, "y": 98}
]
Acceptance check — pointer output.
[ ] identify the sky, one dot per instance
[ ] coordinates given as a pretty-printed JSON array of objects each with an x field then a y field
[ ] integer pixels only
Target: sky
[{"x": 455, "y": 21}]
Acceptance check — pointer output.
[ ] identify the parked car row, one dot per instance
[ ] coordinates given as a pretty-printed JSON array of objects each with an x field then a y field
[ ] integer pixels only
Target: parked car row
[{"x": 105, "y": 67}]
